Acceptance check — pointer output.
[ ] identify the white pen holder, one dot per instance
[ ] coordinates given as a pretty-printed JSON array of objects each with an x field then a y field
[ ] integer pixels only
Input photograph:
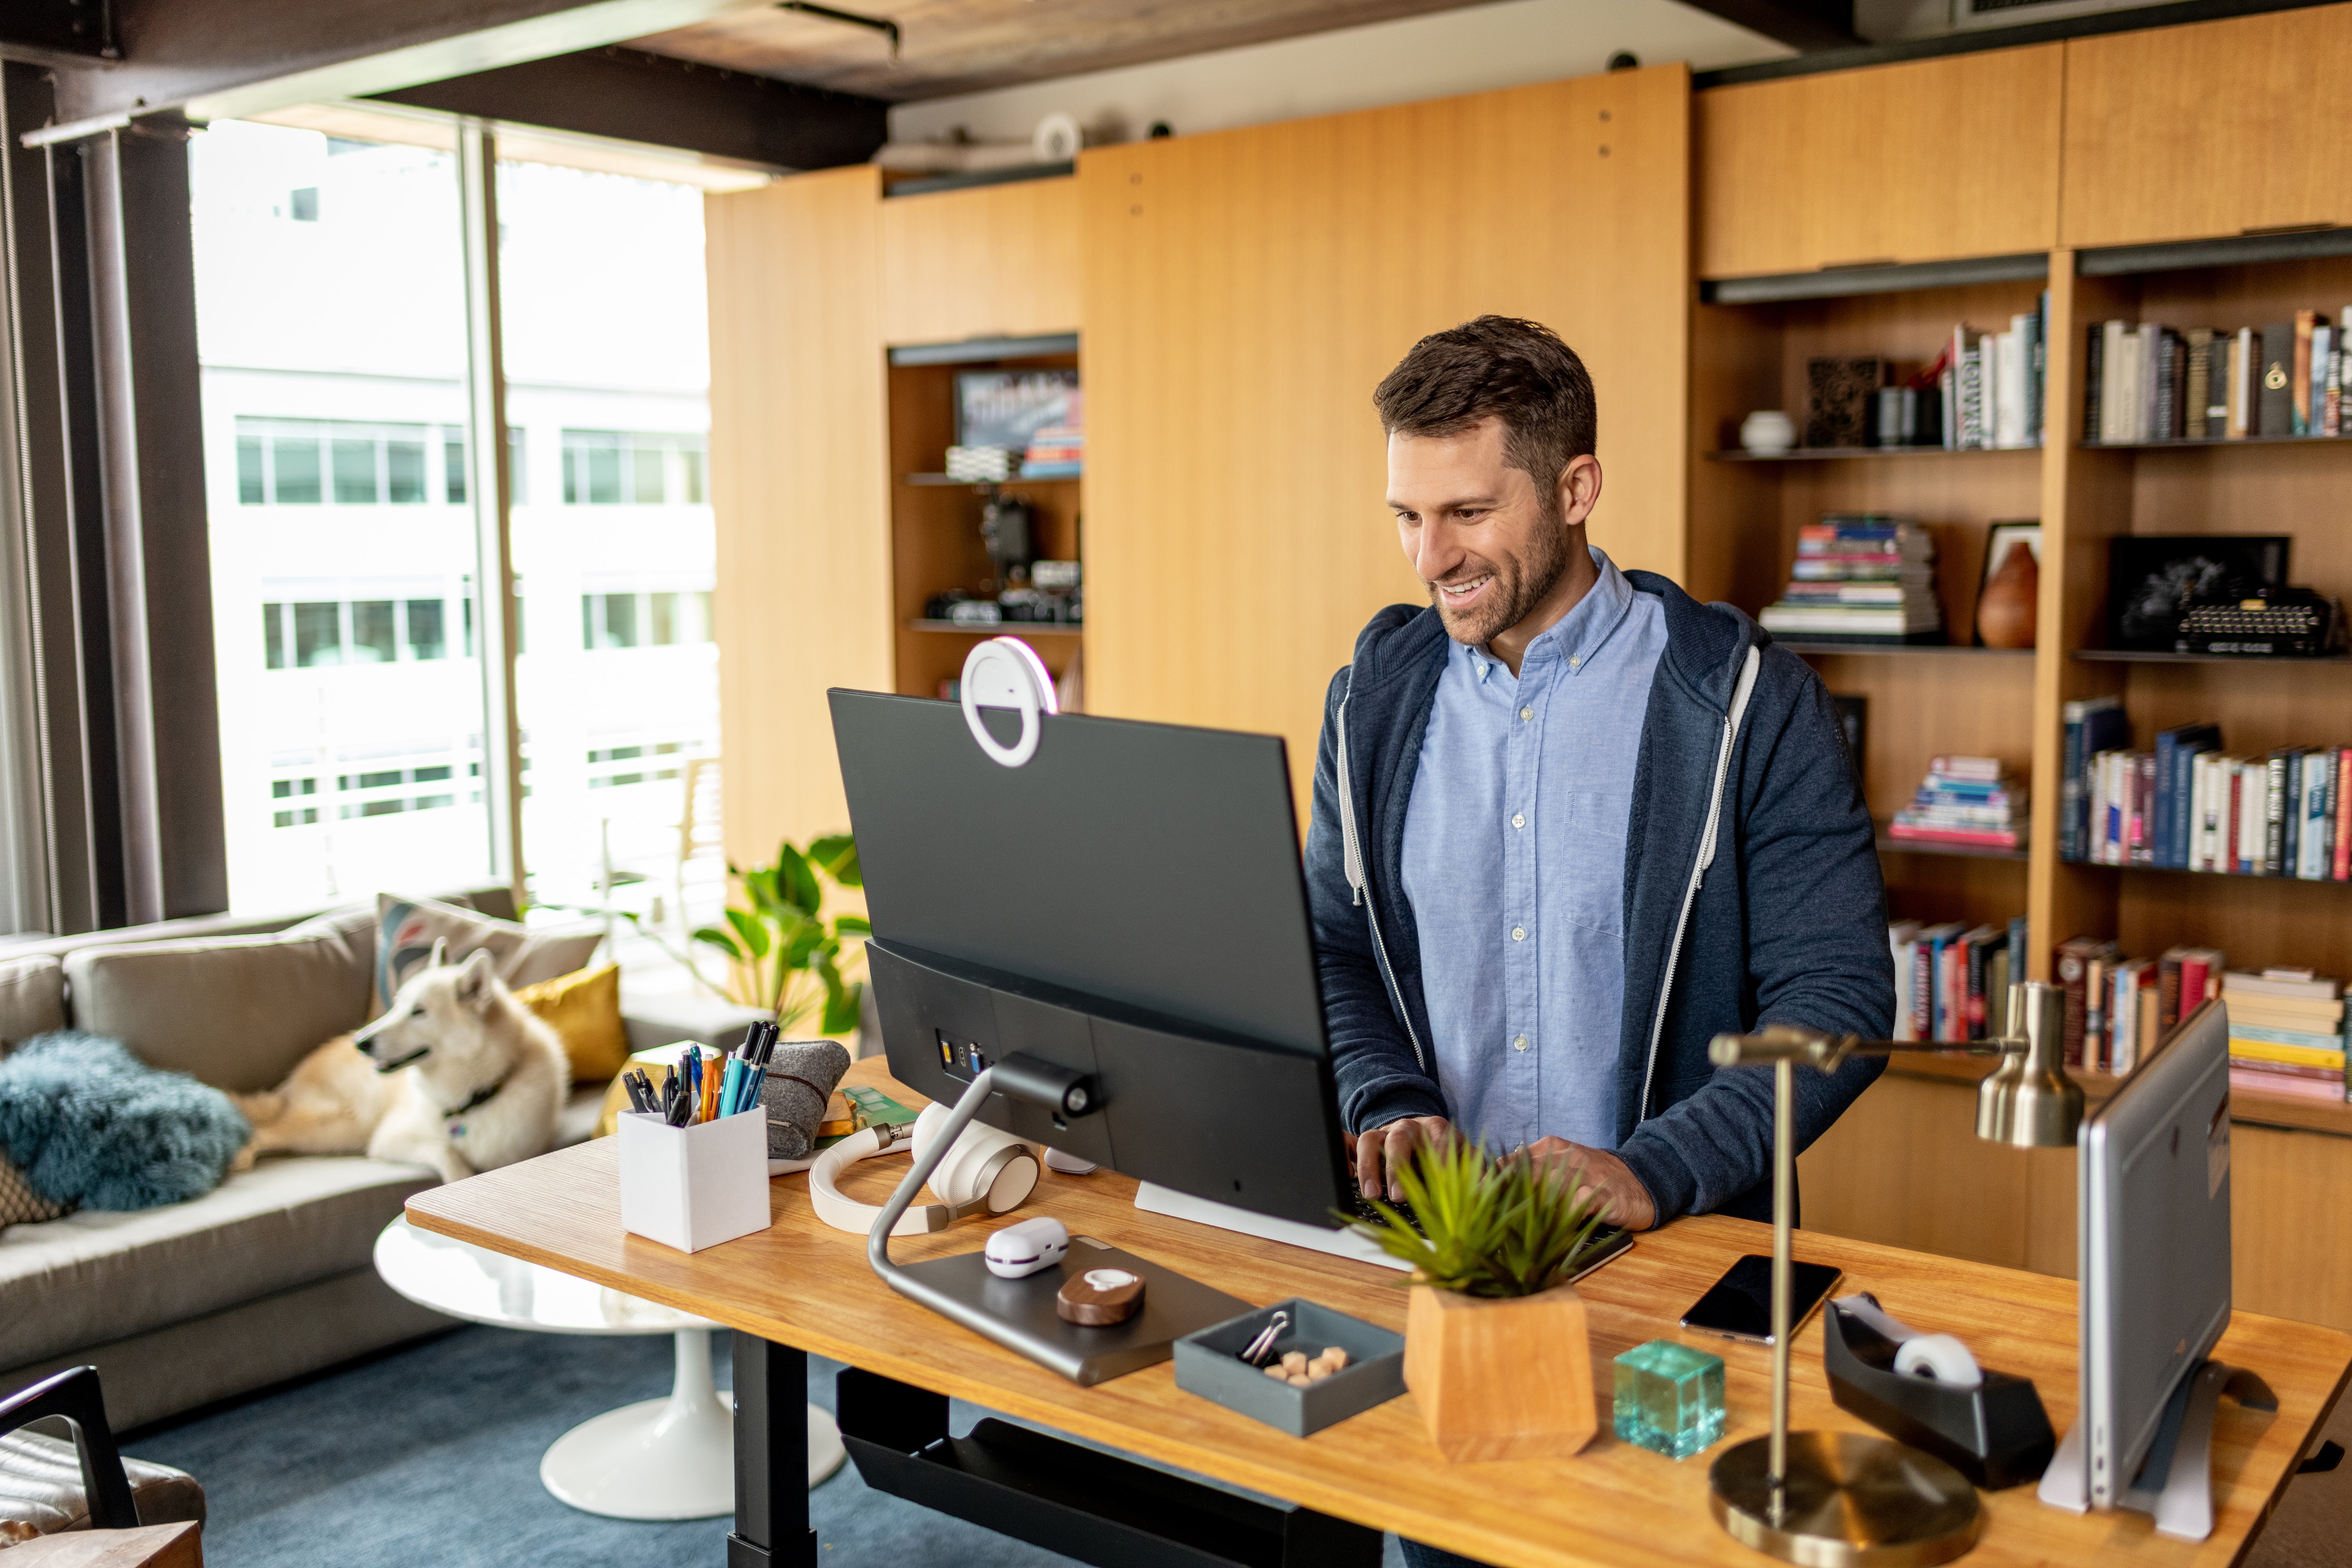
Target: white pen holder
[{"x": 692, "y": 1187}]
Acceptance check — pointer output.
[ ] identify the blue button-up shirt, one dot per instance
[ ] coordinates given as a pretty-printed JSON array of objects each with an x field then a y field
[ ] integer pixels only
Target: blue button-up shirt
[{"x": 1515, "y": 863}]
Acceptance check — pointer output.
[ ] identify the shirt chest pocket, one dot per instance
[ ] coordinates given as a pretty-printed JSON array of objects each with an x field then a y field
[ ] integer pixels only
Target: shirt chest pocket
[{"x": 1587, "y": 871}]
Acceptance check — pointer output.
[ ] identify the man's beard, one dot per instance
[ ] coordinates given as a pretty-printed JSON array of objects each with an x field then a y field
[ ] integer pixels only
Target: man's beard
[{"x": 1520, "y": 588}]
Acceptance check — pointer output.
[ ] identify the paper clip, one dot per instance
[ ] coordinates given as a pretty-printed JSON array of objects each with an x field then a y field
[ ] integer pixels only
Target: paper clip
[{"x": 1263, "y": 1346}]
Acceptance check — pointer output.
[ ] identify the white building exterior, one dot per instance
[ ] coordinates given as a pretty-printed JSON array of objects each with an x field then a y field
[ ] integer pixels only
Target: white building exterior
[{"x": 333, "y": 338}]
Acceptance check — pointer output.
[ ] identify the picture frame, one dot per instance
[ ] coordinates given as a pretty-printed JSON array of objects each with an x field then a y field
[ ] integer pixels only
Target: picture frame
[
  {"x": 1999, "y": 538},
  {"x": 2150, "y": 578},
  {"x": 1007, "y": 407}
]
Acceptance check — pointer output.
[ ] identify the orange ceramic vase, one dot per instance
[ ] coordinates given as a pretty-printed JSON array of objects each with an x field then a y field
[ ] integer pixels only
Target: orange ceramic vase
[{"x": 2005, "y": 614}]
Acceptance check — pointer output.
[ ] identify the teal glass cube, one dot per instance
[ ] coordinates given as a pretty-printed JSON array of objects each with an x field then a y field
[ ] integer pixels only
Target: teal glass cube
[{"x": 1669, "y": 1398}]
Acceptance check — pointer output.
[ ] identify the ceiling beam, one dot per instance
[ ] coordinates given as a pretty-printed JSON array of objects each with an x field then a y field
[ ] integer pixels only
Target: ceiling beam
[
  {"x": 227, "y": 58},
  {"x": 631, "y": 96},
  {"x": 1802, "y": 25}
]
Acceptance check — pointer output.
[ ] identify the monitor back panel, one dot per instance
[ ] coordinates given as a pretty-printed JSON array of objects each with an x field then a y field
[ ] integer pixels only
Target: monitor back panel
[
  {"x": 1150, "y": 865},
  {"x": 2157, "y": 1275}
]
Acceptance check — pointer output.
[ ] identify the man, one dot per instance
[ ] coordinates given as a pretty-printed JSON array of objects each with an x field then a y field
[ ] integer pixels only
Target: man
[{"x": 1569, "y": 824}]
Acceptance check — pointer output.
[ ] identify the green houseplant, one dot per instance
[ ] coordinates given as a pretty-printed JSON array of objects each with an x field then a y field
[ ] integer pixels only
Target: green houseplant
[
  {"x": 782, "y": 954},
  {"x": 1496, "y": 1351}
]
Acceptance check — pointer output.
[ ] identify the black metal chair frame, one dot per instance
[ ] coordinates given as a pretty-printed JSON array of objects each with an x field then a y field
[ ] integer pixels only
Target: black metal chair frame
[{"x": 75, "y": 1395}]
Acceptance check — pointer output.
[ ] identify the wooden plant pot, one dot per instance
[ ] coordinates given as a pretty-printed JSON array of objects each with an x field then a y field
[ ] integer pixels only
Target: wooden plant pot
[{"x": 1507, "y": 1379}]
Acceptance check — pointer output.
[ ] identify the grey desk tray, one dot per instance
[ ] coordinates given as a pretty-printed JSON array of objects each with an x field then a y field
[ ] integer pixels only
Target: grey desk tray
[{"x": 1209, "y": 1363}]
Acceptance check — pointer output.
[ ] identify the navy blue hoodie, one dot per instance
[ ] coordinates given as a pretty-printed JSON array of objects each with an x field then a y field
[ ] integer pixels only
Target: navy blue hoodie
[{"x": 1752, "y": 896}]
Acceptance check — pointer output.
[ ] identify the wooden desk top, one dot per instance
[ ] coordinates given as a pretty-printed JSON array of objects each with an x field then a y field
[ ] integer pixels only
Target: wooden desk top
[{"x": 800, "y": 1283}]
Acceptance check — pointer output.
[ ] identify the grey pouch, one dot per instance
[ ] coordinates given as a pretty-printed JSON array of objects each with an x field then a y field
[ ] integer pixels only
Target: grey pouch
[{"x": 802, "y": 1075}]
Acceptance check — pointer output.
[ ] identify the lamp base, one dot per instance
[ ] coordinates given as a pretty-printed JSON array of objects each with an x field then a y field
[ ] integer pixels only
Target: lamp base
[{"x": 1849, "y": 1501}]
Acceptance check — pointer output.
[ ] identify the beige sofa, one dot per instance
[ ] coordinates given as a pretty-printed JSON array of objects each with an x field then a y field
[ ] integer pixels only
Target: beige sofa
[{"x": 272, "y": 1274}]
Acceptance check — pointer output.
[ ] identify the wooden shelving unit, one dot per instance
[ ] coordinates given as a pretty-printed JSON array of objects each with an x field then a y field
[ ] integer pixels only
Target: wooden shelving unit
[
  {"x": 1834, "y": 453},
  {"x": 935, "y": 541}
]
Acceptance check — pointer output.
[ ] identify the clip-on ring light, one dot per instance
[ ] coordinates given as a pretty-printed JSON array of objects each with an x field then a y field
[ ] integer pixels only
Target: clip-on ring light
[{"x": 1005, "y": 672}]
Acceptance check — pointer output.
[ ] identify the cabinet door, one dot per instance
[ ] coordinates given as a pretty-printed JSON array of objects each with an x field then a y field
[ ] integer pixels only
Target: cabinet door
[
  {"x": 2222, "y": 128},
  {"x": 799, "y": 490},
  {"x": 1245, "y": 291},
  {"x": 995, "y": 261},
  {"x": 1920, "y": 162}
]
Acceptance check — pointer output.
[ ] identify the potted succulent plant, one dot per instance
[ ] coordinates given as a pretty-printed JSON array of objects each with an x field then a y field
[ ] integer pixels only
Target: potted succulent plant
[{"x": 1495, "y": 1351}]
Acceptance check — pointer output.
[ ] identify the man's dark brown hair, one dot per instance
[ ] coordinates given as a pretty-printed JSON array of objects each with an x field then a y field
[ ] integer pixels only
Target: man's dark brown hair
[{"x": 1500, "y": 367}]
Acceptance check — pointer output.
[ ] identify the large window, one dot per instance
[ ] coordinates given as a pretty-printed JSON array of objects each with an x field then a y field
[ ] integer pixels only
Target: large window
[
  {"x": 330, "y": 319},
  {"x": 619, "y": 688},
  {"x": 331, "y": 327}
]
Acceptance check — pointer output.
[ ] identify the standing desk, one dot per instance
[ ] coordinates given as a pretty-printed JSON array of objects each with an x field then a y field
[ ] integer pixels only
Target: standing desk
[{"x": 802, "y": 1287}]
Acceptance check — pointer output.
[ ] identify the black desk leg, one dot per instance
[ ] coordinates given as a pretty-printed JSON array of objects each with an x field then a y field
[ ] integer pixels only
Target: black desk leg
[{"x": 772, "y": 1512}]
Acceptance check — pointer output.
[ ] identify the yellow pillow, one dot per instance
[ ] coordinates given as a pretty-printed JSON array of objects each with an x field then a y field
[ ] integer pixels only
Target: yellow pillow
[{"x": 584, "y": 1009}]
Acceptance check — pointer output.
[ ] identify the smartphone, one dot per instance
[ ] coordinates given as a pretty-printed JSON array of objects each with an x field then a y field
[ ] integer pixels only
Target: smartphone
[
  {"x": 1739, "y": 1305},
  {"x": 1606, "y": 1246}
]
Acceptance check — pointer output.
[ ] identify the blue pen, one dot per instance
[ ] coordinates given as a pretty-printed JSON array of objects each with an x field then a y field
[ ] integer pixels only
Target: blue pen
[{"x": 730, "y": 1088}]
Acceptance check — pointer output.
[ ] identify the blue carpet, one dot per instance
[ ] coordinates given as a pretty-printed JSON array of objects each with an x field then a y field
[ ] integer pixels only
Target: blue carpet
[{"x": 427, "y": 1456}]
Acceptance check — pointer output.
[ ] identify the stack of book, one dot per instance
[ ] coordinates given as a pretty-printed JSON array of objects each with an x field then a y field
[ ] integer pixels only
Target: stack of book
[
  {"x": 1965, "y": 800},
  {"x": 2187, "y": 806},
  {"x": 1951, "y": 981},
  {"x": 1863, "y": 577},
  {"x": 1055, "y": 452},
  {"x": 2118, "y": 1007},
  {"x": 1992, "y": 384},
  {"x": 2286, "y": 1033},
  {"x": 2147, "y": 382}
]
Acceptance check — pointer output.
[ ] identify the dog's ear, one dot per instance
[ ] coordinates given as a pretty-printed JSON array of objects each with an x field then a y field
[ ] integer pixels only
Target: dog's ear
[
  {"x": 440, "y": 952},
  {"x": 474, "y": 978}
]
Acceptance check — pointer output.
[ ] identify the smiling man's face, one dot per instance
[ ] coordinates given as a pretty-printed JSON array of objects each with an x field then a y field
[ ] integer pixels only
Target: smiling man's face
[{"x": 1476, "y": 530}]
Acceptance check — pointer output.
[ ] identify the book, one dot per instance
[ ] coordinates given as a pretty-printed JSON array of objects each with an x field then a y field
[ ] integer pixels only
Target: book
[
  {"x": 2093, "y": 366},
  {"x": 2318, "y": 784},
  {"x": 2093, "y": 725},
  {"x": 1977, "y": 946},
  {"x": 1901, "y": 936},
  {"x": 1989, "y": 770},
  {"x": 1925, "y": 943},
  {"x": 2076, "y": 955},
  {"x": 2323, "y": 378},
  {"x": 2299, "y": 982},
  {"x": 2196, "y": 398},
  {"x": 2244, "y": 1080},
  {"x": 2340, "y": 868},
  {"x": 2285, "y": 1013},
  {"x": 2261, "y": 1050},
  {"x": 2124, "y": 1042},
  {"x": 2275, "y": 380},
  {"x": 2299, "y": 374}
]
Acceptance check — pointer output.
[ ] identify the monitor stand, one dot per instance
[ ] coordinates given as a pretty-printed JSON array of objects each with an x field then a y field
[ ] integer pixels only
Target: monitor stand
[{"x": 2176, "y": 1484}]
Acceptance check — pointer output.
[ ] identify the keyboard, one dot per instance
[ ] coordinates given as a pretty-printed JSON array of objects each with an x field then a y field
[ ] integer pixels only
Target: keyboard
[{"x": 1362, "y": 1208}]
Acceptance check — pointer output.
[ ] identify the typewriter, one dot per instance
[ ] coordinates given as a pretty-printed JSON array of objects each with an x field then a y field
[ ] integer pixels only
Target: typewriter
[{"x": 2273, "y": 623}]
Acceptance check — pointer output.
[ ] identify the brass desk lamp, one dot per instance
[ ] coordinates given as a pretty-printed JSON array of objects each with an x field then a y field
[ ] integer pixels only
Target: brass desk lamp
[{"x": 1842, "y": 1500}]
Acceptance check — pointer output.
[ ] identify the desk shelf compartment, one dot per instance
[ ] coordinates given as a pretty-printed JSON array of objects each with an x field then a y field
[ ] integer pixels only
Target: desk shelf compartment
[{"x": 1081, "y": 1502}]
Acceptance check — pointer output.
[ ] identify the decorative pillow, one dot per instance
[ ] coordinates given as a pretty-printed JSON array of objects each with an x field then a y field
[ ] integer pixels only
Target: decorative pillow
[
  {"x": 19, "y": 1204},
  {"x": 88, "y": 1123},
  {"x": 584, "y": 1009},
  {"x": 406, "y": 929}
]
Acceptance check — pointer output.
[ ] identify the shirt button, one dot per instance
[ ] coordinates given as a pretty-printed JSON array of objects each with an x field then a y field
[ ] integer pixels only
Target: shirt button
[
  {"x": 1575, "y": 663},
  {"x": 1520, "y": 1043},
  {"x": 1519, "y": 933},
  {"x": 1518, "y": 819},
  {"x": 1526, "y": 713}
]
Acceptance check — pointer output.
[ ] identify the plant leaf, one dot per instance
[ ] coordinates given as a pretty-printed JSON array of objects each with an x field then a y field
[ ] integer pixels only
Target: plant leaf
[
  {"x": 796, "y": 884},
  {"x": 719, "y": 939},
  {"x": 835, "y": 854},
  {"x": 754, "y": 933},
  {"x": 852, "y": 925}
]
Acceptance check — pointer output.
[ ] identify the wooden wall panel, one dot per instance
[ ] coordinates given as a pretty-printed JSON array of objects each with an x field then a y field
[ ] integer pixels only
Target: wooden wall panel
[
  {"x": 799, "y": 485},
  {"x": 996, "y": 262},
  {"x": 1904, "y": 1167},
  {"x": 1916, "y": 161},
  {"x": 1245, "y": 291},
  {"x": 2287, "y": 1207},
  {"x": 2190, "y": 132}
]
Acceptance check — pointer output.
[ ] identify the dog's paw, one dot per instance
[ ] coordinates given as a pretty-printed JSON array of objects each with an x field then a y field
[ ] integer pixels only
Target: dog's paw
[{"x": 243, "y": 1159}]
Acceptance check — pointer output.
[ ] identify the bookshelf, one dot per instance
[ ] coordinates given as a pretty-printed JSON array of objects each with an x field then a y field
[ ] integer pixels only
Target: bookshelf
[
  {"x": 934, "y": 543},
  {"x": 1923, "y": 699}
]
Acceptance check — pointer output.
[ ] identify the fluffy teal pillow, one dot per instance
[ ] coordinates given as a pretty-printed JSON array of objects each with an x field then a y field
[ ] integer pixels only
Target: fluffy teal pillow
[{"x": 88, "y": 1123}]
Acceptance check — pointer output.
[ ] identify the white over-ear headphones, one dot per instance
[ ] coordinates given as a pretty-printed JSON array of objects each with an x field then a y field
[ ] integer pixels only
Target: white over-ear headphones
[{"x": 985, "y": 1171}]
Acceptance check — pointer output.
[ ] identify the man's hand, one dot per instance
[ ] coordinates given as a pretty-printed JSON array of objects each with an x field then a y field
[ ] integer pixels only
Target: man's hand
[
  {"x": 1377, "y": 1154},
  {"x": 1624, "y": 1200}
]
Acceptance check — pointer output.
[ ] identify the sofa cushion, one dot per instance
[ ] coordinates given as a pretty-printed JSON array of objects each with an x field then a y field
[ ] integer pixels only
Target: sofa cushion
[
  {"x": 32, "y": 997},
  {"x": 407, "y": 929},
  {"x": 93, "y": 1276},
  {"x": 238, "y": 1012}
]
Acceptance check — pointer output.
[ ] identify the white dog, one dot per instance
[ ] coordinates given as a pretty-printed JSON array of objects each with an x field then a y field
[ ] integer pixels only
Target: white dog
[{"x": 456, "y": 1075}]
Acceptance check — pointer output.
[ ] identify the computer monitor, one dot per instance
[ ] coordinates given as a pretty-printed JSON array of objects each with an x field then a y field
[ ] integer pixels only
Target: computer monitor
[
  {"x": 2154, "y": 1243},
  {"x": 1127, "y": 904}
]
